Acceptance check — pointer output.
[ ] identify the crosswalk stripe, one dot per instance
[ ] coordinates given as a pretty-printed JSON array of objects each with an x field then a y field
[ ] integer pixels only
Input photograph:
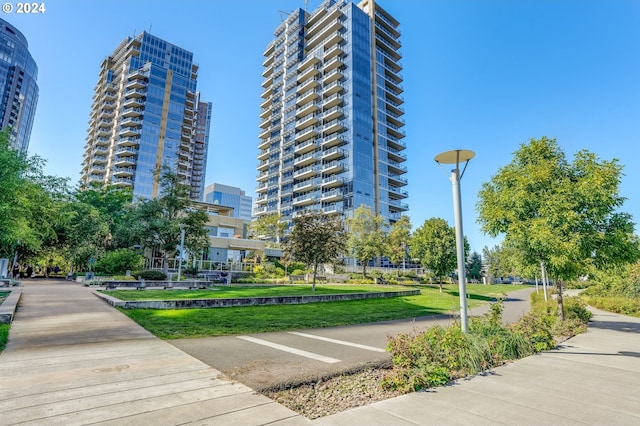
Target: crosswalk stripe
[
  {"x": 291, "y": 350},
  {"x": 339, "y": 342}
]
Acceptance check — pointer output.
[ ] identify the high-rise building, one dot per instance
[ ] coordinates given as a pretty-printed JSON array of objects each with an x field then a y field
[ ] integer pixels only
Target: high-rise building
[
  {"x": 331, "y": 136},
  {"x": 229, "y": 196},
  {"x": 18, "y": 87},
  {"x": 146, "y": 114}
]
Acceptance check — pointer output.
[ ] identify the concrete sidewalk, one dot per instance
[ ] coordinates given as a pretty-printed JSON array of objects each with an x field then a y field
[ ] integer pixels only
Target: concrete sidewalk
[
  {"x": 73, "y": 360},
  {"x": 592, "y": 379}
]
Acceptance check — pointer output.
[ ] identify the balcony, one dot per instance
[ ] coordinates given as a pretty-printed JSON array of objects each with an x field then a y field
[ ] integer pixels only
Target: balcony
[
  {"x": 332, "y": 140},
  {"x": 331, "y": 101},
  {"x": 333, "y": 127},
  {"x": 263, "y": 177},
  {"x": 264, "y": 154},
  {"x": 332, "y": 76},
  {"x": 306, "y": 159},
  {"x": 395, "y": 131},
  {"x": 396, "y": 180},
  {"x": 333, "y": 167},
  {"x": 306, "y": 172},
  {"x": 328, "y": 32},
  {"x": 334, "y": 153},
  {"x": 307, "y": 62},
  {"x": 309, "y": 85},
  {"x": 132, "y": 112},
  {"x": 308, "y": 73},
  {"x": 263, "y": 165},
  {"x": 396, "y": 155},
  {"x": 131, "y": 122},
  {"x": 98, "y": 159},
  {"x": 307, "y": 109},
  {"x": 306, "y": 200},
  {"x": 332, "y": 196},
  {"x": 126, "y": 151},
  {"x": 125, "y": 161},
  {"x": 262, "y": 188},
  {"x": 333, "y": 51},
  {"x": 129, "y": 131},
  {"x": 397, "y": 206},
  {"x": 103, "y": 132},
  {"x": 333, "y": 181},
  {"x": 102, "y": 141},
  {"x": 265, "y": 132},
  {"x": 101, "y": 150},
  {"x": 140, "y": 74},
  {"x": 136, "y": 102},
  {"x": 307, "y": 96},
  {"x": 396, "y": 168},
  {"x": 124, "y": 171},
  {"x": 309, "y": 120},
  {"x": 306, "y": 185},
  {"x": 333, "y": 209},
  {"x": 128, "y": 141},
  {"x": 332, "y": 63},
  {"x": 317, "y": 21},
  {"x": 397, "y": 193},
  {"x": 306, "y": 134},
  {"x": 332, "y": 114},
  {"x": 122, "y": 182},
  {"x": 305, "y": 147},
  {"x": 136, "y": 83}
]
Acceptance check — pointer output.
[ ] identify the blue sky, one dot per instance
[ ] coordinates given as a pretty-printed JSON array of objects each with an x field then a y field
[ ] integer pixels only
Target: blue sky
[{"x": 479, "y": 75}]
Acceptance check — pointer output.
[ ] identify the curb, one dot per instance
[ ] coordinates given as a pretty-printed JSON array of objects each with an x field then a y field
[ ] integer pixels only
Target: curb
[{"x": 10, "y": 305}]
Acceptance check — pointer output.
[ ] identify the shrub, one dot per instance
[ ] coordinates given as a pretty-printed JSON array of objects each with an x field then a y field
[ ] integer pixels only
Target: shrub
[
  {"x": 117, "y": 262},
  {"x": 150, "y": 274}
]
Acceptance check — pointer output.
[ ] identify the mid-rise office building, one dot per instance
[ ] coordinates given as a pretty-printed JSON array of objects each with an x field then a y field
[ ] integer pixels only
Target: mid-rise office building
[
  {"x": 331, "y": 131},
  {"x": 229, "y": 196},
  {"x": 18, "y": 87},
  {"x": 147, "y": 114}
]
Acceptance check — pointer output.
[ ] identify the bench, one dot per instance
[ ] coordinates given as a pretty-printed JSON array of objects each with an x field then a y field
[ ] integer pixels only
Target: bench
[{"x": 294, "y": 278}]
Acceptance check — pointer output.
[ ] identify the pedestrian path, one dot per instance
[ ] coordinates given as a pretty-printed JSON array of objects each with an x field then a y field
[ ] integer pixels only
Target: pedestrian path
[
  {"x": 591, "y": 379},
  {"x": 74, "y": 360}
]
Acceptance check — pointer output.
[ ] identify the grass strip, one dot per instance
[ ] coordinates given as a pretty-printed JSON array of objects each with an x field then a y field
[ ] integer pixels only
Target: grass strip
[
  {"x": 181, "y": 323},
  {"x": 227, "y": 292}
]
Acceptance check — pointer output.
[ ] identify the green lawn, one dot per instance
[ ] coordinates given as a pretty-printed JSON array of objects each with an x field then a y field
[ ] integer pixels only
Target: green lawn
[
  {"x": 4, "y": 328},
  {"x": 180, "y": 323},
  {"x": 248, "y": 291}
]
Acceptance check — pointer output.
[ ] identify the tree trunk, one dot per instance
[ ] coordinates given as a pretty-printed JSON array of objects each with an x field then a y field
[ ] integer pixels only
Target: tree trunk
[
  {"x": 440, "y": 284},
  {"x": 313, "y": 282},
  {"x": 165, "y": 264},
  {"x": 560, "y": 305},
  {"x": 364, "y": 271}
]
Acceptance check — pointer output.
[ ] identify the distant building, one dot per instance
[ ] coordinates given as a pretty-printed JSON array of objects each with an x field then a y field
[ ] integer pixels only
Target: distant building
[
  {"x": 18, "y": 87},
  {"x": 331, "y": 127},
  {"x": 147, "y": 113},
  {"x": 229, "y": 196}
]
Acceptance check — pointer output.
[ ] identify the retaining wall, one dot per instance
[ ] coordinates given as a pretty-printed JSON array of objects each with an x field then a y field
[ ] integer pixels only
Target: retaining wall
[{"x": 248, "y": 301}]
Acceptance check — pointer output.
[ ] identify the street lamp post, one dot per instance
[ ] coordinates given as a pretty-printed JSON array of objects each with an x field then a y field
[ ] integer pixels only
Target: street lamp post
[
  {"x": 181, "y": 250},
  {"x": 455, "y": 157}
]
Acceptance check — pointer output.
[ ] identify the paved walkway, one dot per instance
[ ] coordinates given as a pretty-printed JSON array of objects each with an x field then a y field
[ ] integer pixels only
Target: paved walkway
[{"x": 74, "y": 360}]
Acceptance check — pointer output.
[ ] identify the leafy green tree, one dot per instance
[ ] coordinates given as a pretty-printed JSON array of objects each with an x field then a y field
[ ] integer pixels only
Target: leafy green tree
[
  {"x": 315, "y": 239},
  {"x": 29, "y": 201},
  {"x": 434, "y": 243},
  {"x": 474, "y": 266},
  {"x": 397, "y": 241},
  {"x": 269, "y": 227},
  {"x": 112, "y": 203},
  {"x": 561, "y": 214},
  {"x": 367, "y": 236},
  {"x": 155, "y": 223}
]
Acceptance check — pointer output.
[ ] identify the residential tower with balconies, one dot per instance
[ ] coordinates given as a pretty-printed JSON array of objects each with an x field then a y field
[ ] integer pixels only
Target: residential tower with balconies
[{"x": 331, "y": 132}]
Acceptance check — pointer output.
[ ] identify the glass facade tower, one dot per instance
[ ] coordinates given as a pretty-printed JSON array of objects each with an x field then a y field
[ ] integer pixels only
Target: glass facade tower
[
  {"x": 18, "y": 87},
  {"x": 331, "y": 136},
  {"x": 146, "y": 114}
]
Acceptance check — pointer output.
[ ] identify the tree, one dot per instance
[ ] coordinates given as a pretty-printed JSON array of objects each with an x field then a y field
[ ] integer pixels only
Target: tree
[
  {"x": 559, "y": 214},
  {"x": 434, "y": 243},
  {"x": 315, "y": 239},
  {"x": 366, "y": 236},
  {"x": 397, "y": 240},
  {"x": 474, "y": 266},
  {"x": 29, "y": 201},
  {"x": 156, "y": 223},
  {"x": 269, "y": 227}
]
